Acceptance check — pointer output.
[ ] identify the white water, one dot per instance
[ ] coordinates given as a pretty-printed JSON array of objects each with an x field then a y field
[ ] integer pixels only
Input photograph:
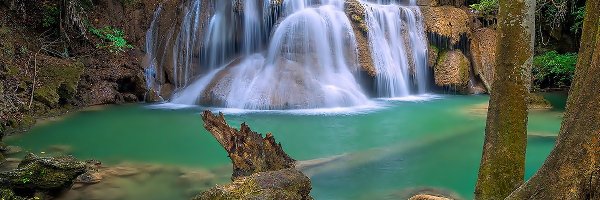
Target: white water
[{"x": 301, "y": 55}]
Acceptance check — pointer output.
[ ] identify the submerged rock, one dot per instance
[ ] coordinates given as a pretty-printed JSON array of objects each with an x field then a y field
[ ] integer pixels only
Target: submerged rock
[
  {"x": 288, "y": 184},
  {"x": 38, "y": 175},
  {"x": 428, "y": 197},
  {"x": 537, "y": 102}
]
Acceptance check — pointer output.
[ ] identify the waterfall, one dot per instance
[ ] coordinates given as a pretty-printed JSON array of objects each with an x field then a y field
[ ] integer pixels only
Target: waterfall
[{"x": 294, "y": 55}]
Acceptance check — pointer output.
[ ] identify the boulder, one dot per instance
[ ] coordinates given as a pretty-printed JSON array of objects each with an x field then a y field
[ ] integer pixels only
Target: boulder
[
  {"x": 453, "y": 71},
  {"x": 36, "y": 175},
  {"x": 288, "y": 184},
  {"x": 483, "y": 52}
]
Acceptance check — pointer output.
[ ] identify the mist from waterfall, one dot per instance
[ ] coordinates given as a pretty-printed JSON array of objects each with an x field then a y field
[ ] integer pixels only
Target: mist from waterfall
[{"x": 297, "y": 55}]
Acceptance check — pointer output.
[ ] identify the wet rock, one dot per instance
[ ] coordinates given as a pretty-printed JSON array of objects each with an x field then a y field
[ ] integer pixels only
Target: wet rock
[
  {"x": 483, "y": 51},
  {"x": 89, "y": 177},
  {"x": 283, "y": 184},
  {"x": 446, "y": 21},
  {"x": 356, "y": 12},
  {"x": 36, "y": 175},
  {"x": 433, "y": 54},
  {"x": 453, "y": 71}
]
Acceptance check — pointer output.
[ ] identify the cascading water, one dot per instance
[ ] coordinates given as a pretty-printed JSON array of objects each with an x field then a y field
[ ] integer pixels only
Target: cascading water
[{"x": 294, "y": 55}]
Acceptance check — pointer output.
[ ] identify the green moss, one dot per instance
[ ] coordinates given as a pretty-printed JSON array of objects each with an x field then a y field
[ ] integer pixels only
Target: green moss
[
  {"x": 7, "y": 194},
  {"x": 58, "y": 82}
]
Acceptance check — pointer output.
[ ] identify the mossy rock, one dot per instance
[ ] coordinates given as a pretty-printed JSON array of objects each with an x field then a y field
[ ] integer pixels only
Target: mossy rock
[
  {"x": 58, "y": 81},
  {"x": 7, "y": 194},
  {"x": 453, "y": 71},
  {"x": 283, "y": 184},
  {"x": 42, "y": 175}
]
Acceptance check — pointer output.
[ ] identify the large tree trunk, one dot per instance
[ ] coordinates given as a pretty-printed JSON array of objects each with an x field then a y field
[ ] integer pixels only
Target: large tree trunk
[
  {"x": 503, "y": 161},
  {"x": 572, "y": 171}
]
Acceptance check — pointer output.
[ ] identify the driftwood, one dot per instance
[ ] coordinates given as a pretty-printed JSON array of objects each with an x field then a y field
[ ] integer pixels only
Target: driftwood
[
  {"x": 249, "y": 152},
  {"x": 261, "y": 169}
]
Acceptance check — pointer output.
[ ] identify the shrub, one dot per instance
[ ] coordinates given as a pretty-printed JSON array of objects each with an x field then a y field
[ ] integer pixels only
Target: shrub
[
  {"x": 554, "y": 69},
  {"x": 579, "y": 16},
  {"x": 486, "y": 7},
  {"x": 112, "y": 38}
]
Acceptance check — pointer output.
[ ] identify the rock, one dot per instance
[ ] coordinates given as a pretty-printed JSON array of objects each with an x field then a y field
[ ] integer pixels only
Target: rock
[
  {"x": 63, "y": 149},
  {"x": 121, "y": 171},
  {"x": 11, "y": 150},
  {"x": 427, "y": 193},
  {"x": 483, "y": 51},
  {"x": 446, "y": 23},
  {"x": 433, "y": 54},
  {"x": 432, "y": 3},
  {"x": 42, "y": 175},
  {"x": 102, "y": 93},
  {"x": 356, "y": 12},
  {"x": 452, "y": 71},
  {"x": 249, "y": 152},
  {"x": 58, "y": 81},
  {"x": 288, "y": 184},
  {"x": 537, "y": 102},
  {"x": 89, "y": 177},
  {"x": 427, "y": 197},
  {"x": 196, "y": 176}
]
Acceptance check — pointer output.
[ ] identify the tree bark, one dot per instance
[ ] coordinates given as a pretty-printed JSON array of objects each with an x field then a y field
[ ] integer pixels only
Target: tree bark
[
  {"x": 249, "y": 152},
  {"x": 572, "y": 170},
  {"x": 503, "y": 161}
]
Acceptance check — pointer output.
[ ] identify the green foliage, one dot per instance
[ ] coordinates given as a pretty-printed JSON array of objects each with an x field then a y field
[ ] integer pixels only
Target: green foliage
[
  {"x": 486, "y": 7},
  {"x": 51, "y": 15},
  {"x": 112, "y": 38},
  {"x": 554, "y": 68},
  {"x": 579, "y": 15}
]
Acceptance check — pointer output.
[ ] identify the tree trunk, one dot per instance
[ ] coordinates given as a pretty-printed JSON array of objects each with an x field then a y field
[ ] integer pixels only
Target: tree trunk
[
  {"x": 249, "y": 152},
  {"x": 572, "y": 171},
  {"x": 503, "y": 161}
]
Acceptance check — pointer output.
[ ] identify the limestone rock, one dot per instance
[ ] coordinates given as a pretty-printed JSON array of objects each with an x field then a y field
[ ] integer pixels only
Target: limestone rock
[
  {"x": 452, "y": 70},
  {"x": 288, "y": 184},
  {"x": 356, "y": 12},
  {"x": 447, "y": 22},
  {"x": 433, "y": 54},
  {"x": 483, "y": 51}
]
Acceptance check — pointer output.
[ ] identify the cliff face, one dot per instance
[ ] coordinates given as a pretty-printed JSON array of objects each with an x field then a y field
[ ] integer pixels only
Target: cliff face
[{"x": 51, "y": 61}]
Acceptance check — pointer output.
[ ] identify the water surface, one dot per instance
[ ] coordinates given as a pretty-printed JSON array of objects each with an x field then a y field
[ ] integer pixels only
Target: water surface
[{"x": 385, "y": 150}]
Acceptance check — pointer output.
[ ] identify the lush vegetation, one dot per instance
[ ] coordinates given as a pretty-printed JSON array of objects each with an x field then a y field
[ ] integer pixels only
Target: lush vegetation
[
  {"x": 113, "y": 39},
  {"x": 486, "y": 7},
  {"x": 552, "y": 69},
  {"x": 578, "y": 24}
]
